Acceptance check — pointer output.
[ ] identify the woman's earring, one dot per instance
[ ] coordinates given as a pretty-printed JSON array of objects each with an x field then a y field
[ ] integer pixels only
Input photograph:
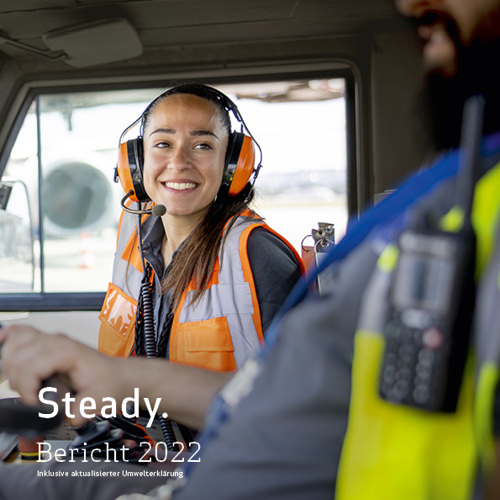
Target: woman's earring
[{"x": 215, "y": 199}]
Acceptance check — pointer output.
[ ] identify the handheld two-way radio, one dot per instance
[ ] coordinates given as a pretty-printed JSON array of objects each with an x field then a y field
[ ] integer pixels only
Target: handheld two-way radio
[{"x": 432, "y": 296}]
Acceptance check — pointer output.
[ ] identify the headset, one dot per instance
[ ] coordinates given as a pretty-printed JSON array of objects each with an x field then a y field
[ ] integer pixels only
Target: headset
[{"x": 239, "y": 165}]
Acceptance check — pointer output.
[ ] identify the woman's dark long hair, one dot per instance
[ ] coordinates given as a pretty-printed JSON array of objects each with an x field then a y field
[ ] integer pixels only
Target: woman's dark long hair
[{"x": 196, "y": 257}]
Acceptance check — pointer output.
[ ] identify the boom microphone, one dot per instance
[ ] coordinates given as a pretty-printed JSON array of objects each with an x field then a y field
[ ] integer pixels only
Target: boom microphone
[{"x": 157, "y": 210}]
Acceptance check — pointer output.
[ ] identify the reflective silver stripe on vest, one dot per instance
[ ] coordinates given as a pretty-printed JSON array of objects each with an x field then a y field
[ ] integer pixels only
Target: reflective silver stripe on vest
[
  {"x": 230, "y": 298},
  {"x": 126, "y": 276},
  {"x": 487, "y": 316},
  {"x": 374, "y": 305}
]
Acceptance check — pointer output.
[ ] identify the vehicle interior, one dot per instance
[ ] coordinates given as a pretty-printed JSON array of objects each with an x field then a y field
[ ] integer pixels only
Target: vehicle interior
[{"x": 324, "y": 85}]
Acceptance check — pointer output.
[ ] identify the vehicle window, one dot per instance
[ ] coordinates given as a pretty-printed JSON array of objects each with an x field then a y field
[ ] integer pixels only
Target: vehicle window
[{"x": 58, "y": 229}]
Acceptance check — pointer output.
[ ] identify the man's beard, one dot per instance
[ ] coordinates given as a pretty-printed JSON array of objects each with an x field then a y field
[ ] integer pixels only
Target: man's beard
[{"x": 441, "y": 102}]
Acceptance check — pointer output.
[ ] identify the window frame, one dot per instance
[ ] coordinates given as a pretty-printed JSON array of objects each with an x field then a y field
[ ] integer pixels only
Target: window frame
[{"x": 92, "y": 301}]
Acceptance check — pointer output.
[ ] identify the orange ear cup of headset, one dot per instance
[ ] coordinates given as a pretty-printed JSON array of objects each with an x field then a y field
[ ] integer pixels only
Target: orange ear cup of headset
[
  {"x": 129, "y": 169},
  {"x": 240, "y": 163},
  {"x": 123, "y": 171}
]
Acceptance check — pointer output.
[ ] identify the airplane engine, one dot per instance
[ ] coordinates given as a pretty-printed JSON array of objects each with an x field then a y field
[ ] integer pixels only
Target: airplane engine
[{"x": 77, "y": 197}]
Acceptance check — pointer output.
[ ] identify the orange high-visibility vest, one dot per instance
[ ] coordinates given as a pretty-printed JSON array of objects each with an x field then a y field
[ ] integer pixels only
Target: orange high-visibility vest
[{"x": 219, "y": 331}]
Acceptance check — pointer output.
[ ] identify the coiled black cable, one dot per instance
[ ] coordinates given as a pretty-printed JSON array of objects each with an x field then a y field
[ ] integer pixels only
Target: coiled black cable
[
  {"x": 147, "y": 313},
  {"x": 146, "y": 330}
]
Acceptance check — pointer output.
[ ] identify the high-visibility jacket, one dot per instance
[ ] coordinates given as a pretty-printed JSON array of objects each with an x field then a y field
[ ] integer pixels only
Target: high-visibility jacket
[
  {"x": 393, "y": 451},
  {"x": 217, "y": 332}
]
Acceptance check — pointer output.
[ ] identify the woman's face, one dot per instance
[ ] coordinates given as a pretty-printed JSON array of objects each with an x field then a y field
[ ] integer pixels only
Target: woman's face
[{"x": 184, "y": 149}]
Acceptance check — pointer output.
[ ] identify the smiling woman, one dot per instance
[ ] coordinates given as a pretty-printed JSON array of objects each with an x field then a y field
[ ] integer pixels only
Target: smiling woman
[{"x": 218, "y": 273}]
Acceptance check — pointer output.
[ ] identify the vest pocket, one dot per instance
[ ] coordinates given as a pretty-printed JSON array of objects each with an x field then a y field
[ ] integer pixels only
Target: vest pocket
[
  {"x": 206, "y": 344},
  {"x": 116, "y": 334}
]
